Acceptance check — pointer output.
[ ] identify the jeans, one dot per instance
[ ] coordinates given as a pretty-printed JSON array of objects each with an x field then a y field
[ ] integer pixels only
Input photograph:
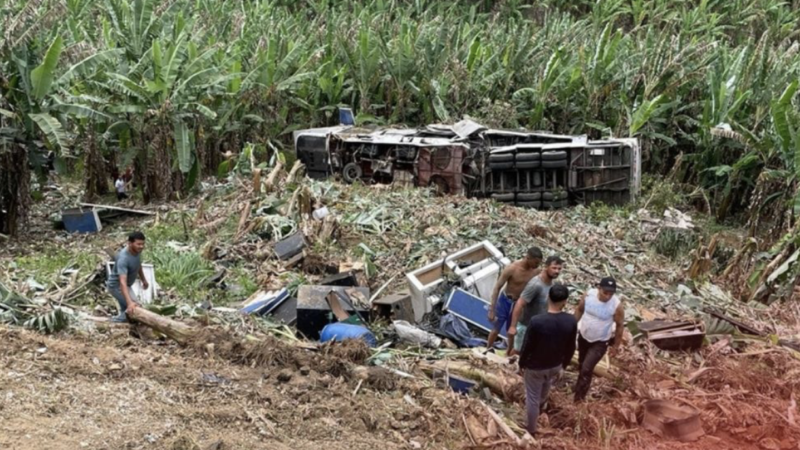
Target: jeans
[
  {"x": 537, "y": 386},
  {"x": 589, "y": 354},
  {"x": 123, "y": 305},
  {"x": 520, "y": 337}
]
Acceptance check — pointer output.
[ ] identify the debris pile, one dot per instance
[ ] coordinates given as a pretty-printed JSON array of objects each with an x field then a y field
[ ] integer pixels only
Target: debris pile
[{"x": 365, "y": 318}]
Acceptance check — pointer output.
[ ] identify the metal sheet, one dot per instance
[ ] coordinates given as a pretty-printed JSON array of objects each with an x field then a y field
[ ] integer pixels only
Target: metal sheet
[
  {"x": 467, "y": 128},
  {"x": 393, "y": 139},
  {"x": 265, "y": 302},
  {"x": 471, "y": 309}
]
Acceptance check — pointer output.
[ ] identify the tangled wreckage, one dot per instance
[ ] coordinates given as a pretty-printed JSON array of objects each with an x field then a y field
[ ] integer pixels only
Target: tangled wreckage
[{"x": 526, "y": 168}]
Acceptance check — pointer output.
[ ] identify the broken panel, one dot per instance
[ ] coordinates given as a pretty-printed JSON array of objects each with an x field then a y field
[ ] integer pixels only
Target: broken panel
[{"x": 604, "y": 171}]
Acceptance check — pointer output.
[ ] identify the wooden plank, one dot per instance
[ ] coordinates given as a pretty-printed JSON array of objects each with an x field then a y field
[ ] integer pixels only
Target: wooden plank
[
  {"x": 131, "y": 211},
  {"x": 657, "y": 326},
  {"x": 678, "y": 340},
  {"x": 336, "y": 307},
  {"x": 744, "y": 328}
]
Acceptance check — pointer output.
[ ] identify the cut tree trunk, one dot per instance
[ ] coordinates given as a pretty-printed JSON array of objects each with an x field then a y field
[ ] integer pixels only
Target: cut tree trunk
[
  {"x": 602, "y": 369},
  {"x": 178, "y": 331},
  {"x": 376, "y": 377},
  {"x": 272, "y": 179},
  {"x": 95, "y": 169},
  {"x": 508, "y": 386},
  {"x": 703, "y": 258},
  {"x": 15, "y": 194},
  {"x": 297, "y": 170}
]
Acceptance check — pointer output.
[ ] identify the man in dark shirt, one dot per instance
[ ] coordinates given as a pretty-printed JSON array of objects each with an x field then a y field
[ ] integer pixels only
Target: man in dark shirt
[{"x": 548, "y": 347}]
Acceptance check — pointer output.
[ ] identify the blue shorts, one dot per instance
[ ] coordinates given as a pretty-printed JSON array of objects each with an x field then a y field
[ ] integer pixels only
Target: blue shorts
[{"x": 502, "y": 313}]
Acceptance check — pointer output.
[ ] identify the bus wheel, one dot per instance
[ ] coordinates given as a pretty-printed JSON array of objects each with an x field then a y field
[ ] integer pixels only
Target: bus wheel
[{"x": 351, "y": 172}]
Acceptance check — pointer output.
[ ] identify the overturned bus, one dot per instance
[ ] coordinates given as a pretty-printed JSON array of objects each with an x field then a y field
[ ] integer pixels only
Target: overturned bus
[{"x": 529, "y": 169}]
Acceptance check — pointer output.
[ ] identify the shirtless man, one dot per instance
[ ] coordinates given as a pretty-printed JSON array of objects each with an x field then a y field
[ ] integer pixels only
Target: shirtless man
[{"x": 515, "y": 277}]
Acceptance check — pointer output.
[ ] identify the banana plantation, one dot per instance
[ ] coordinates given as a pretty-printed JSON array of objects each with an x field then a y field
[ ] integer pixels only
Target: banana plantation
[{"x": 174, "y": 87}]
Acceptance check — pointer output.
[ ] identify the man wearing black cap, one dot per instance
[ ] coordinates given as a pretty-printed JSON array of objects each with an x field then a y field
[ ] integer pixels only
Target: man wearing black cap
[{"x": 600, "y": 316}]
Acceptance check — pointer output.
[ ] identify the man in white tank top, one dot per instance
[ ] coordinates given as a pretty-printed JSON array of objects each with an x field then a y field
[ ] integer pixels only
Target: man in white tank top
[{"x": 600, "y": 316}]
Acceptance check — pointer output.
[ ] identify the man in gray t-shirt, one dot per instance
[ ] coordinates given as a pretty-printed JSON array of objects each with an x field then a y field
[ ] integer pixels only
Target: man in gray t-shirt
[
  {"x": 532, "y": 301},
  {"x": 535, "y": 295},
  {"x": 127, "y": 268}
]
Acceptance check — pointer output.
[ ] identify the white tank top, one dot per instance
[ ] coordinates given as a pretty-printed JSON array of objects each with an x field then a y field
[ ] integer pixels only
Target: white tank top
[{"x": 597, "y": 323}]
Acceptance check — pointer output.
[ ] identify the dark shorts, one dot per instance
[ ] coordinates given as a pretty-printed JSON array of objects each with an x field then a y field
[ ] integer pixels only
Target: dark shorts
[{"x": 502, "y": 313}]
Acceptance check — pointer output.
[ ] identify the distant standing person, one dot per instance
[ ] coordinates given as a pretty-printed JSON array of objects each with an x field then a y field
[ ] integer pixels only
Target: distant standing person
[
  {"x": 548, "y": 348},
  {"x": 600, "y": 316},
  {"x": 514, "y": 277},
  {"x": 532, "y": 301},
  {"x": 119, "y": 186},
  {"x": 127, "y": 267}
]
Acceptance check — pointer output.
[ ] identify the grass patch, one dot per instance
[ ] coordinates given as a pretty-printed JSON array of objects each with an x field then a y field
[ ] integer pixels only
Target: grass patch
[
  {"x": 168, "y": 230},
  {"x": 46, "y": 267},
  {"x": 245, "y": 279}
]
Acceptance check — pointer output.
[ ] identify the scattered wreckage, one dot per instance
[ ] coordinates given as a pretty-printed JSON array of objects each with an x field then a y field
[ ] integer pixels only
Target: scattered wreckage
[{"x": 529, "y": 169}]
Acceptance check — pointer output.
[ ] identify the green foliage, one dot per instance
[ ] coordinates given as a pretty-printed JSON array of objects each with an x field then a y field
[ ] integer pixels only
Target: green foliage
[
  {"x": 716, "y": 326},
  {"x": 675, "y": 243},
  {"x": 293, "y": 283},
  {"x": 600, "y": 212},
  {"x": 15, "y": 309},
  {"x": 658, "y": 194},
  {"x": 185, "y": 272},
  {"x": 170, "y": 229},
  {"x": 42, "y": 76},
  {"x": 715, "y": 81},
  {"x": 49, "y": 322}
]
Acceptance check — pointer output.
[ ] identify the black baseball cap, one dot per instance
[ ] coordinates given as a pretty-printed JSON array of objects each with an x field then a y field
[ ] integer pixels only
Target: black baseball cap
[{"x": 608, "y": 284}]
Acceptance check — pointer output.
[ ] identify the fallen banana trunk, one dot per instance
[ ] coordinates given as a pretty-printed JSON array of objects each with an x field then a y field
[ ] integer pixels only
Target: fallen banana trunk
[
  {"x": 506, "y": 385},
  {"x": 375, "y": 377},
  {"x": 602, "y": 369},
  {"x": 178, "y": 331}
]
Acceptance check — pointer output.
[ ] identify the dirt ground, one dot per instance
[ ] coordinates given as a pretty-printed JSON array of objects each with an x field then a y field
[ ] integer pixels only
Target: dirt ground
[{"x": 115, "y": 391}]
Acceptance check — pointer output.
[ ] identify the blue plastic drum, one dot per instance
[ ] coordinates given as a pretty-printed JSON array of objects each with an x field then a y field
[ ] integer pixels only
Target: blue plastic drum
[{"x": 342, "y": 331}]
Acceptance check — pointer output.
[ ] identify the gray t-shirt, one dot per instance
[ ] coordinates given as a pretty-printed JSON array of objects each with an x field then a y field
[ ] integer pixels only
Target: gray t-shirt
[
  {"x": 125, "y": 264},
  {"x": 535, "y": 297}
]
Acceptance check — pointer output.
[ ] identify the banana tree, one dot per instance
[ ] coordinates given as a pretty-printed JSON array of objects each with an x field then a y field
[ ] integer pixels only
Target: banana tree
[
  {"x": 26, "y": 114},
  {"x": 267, "y": 91},
  {"x": 785, "y": 121},
  {"x": 161, "y": 97}
]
